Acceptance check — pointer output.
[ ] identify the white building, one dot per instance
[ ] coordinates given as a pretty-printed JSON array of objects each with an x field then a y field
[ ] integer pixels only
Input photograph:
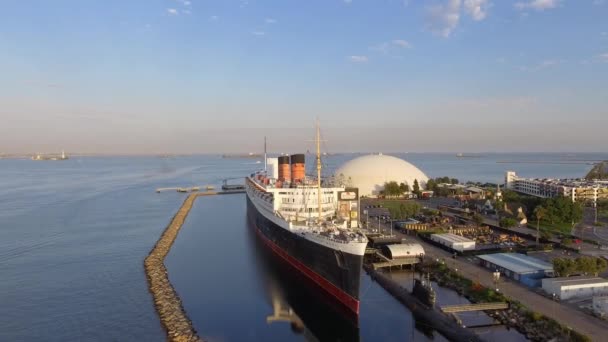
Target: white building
[
  {"x": 453, "y": 241},
  {"x": 403, "y": 250},
  {"x": 370, "y": 173},
  {"x": 600, "y": 306},
  {"x": 575, "y": 189},
  {"x": 575, "y": 287}
]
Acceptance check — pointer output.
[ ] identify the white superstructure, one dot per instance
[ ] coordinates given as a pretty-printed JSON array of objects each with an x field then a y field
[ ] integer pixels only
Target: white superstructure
[{"x": 296, "y": 209}]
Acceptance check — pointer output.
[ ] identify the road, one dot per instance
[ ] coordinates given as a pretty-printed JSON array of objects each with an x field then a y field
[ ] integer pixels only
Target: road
[{"x": 568, "y": 316}]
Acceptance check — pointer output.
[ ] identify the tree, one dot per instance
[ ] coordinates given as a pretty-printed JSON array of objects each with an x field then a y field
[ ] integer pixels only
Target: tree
[
  {"x": 601, "y": 265},
  {"x": 430, "y": 185},
  {"x": 507, "y": 222},
  {"x": 539, "y": 212},
  {"x": 409, "y": 209},
  {"x": 564, "y": 267},
  {"x": 392, "y": 189},
  {"x": 416, "y": 188},
  {"x": 454, "y": 181},
  {"x": 478, "y": 219},
  {"x": 586, "y": 265},
  {"x": 404, "y": 188}
]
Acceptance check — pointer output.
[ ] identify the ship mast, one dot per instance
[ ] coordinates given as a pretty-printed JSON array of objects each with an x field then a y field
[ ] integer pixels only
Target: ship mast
[
  {"x": 265, "y": 159},
  {"x": 318, "y": 141}
]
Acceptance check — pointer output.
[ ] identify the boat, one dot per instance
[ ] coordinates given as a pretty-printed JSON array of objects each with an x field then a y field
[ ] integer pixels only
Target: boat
[
  {"x": 322, "y": 242},
  {"x": 40, "y": 156}
]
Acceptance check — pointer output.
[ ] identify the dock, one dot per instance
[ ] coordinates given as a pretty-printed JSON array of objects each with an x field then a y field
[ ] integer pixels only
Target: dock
[
  {"x": 394, "y": 262},
  {"x": 166, "y": 300},
  {"x": 474, "y": 307}
]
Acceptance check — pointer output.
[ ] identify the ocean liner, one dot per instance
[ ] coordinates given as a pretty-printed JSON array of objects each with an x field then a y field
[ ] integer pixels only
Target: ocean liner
[{"x": 312, "y": 225}]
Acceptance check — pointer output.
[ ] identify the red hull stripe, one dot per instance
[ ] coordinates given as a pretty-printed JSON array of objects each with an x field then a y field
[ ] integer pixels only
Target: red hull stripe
[{"x": 348, "y": 301}]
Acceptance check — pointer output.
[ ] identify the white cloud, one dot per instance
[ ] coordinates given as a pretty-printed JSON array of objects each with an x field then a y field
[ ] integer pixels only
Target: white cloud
[
  {"x": 603, "y": 57},
  {"x": 547, "y": 63},
  {"x": 358, "y": 59},
  {"x": 172, "y": 11},
  {"x": 388, "y": 47},
  {"x": 258, "y": 33},
  {"x": 270, "y": 21},
  {"x": 539, "y": 5},
  {"x": 477, "y": 9},
  {"x": 214, "y": 18},
  {"x": 186, "y": 11},
  {"x": 184, "y": 2},
  {"x": 443, "y": 19},
  {"x": 402, "y": 43},
  {"x": 382, "y": 47}
]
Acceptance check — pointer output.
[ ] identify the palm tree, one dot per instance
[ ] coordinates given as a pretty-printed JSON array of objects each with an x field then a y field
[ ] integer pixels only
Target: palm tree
[{"x": 539, "y": 212}]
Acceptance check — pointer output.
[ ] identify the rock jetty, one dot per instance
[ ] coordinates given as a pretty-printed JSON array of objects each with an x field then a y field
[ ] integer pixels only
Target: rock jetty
[{"x": 168, "y": 305}]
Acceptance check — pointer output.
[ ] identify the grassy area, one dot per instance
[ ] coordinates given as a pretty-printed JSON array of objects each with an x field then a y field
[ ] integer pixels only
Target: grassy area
[
  {"x": 390, "y": 204},
  {"x": 561, "y": 228}
]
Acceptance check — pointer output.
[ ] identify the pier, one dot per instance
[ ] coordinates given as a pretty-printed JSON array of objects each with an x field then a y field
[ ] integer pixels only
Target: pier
[
  {"x": 394, "y": 262},
  {"x": 474, "y": 307},
  {"x": 166, "y": 300}
]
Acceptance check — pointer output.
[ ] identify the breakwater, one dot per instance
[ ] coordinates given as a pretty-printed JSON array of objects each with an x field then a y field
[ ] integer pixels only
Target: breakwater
[
  {"x": 435, "y": 319},
  {"x": 167, "y": 302}
]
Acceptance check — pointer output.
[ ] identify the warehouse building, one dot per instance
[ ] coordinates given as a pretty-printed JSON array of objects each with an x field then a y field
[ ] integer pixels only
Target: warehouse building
[
  {"x": 525, "y": 269},
  {"x": 453, "y": 241},
  {"x": 575, "y": 287},
  {"x": 600, "y": 306}
]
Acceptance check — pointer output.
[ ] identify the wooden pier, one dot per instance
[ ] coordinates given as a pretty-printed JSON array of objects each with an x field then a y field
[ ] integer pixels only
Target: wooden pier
[{"x": 474, "y": 307}]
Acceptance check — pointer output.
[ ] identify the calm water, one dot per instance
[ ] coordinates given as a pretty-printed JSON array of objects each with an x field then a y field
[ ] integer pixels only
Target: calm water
[{"x": 73, "y": 236}]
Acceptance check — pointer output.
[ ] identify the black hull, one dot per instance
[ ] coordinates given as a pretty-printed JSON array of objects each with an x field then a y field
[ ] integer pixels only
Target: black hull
[{"x": 336, "y": 272}]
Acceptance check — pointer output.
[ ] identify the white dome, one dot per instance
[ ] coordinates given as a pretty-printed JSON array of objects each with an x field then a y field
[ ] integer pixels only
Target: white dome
[{"x": 369, "y": 173}]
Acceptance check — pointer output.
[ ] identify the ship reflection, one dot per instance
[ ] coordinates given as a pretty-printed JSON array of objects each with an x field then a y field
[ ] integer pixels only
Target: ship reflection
[{"x": 308, "y": 311}]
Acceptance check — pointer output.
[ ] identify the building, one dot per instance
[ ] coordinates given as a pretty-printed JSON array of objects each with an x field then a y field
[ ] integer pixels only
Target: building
[
  {"x": 370, "y": 173},
  {"x": 453, "y": 241},
  {"x": 600, "y": 306},
  {"x": 575, "y": 189},
  {"x": 403, "y": 250},
  {"x": 575, "y": 287},
  {"x": 520, "y": 267}
]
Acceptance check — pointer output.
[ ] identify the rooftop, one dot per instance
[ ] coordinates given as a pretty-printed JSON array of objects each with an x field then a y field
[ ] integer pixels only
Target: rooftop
[
  {"x": 453, "y": 237},
  {"x": 516, "y": 262},
  {"x": 574, "y": 281}
]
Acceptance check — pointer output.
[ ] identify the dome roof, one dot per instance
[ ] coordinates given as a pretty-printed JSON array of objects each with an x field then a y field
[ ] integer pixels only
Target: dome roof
[{"x": 369, "y": 173}]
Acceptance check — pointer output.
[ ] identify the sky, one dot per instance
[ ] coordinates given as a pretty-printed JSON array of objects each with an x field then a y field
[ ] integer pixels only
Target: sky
[{"x": 216, "y": 76}]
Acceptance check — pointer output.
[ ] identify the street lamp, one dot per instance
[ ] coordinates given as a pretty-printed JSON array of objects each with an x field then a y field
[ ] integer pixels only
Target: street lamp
[{"x": 496, "y": 277}]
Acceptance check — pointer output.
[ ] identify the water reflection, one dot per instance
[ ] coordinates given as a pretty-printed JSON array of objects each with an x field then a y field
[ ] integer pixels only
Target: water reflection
[{"x": 294, "y": 301}]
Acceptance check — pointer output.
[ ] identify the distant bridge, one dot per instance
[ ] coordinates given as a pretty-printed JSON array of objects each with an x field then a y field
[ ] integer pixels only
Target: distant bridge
[{"x": 474, "y": 307}]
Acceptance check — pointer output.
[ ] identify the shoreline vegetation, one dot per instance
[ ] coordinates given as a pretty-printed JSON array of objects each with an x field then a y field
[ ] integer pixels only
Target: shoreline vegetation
[{"x": 533, "y": 325}]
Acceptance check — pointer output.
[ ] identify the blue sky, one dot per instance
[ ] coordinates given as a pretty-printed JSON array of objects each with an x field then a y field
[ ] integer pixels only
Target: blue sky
[{"x": 153, "y": 76}]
